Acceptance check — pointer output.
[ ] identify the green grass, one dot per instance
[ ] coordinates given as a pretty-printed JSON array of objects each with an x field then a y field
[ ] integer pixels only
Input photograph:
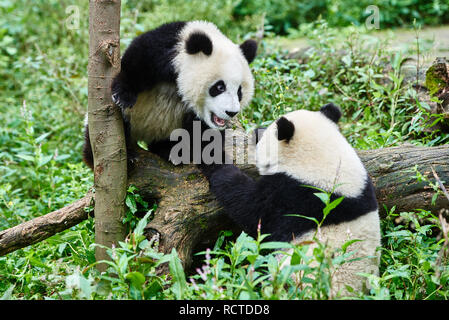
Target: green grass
[{"x": 43, "y": 81}]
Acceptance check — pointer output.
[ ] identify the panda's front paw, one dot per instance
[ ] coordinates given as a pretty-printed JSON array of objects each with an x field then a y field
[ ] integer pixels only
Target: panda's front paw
[
  {"x": 209, "y": 170},
  {"x": 124, "y": 100},
  {"x": 122, "y": 92}
]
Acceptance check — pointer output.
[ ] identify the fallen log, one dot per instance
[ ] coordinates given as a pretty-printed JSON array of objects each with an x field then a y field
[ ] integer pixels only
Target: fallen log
[
  {"x": 189, "y": 219},
  {"x": 45, "y": 226},
  {"x": 394, "y": 176}
]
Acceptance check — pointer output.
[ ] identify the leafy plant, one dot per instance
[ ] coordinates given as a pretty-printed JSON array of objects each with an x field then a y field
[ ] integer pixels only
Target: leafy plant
[
  {"x": 136, "y": 206},
  {"x": 409, "y": 257}
]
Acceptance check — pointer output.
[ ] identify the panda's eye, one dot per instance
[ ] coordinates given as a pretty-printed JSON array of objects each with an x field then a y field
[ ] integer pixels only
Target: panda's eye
[
  {"x": 239, "y": 93},
  {"x": 218, "y": 88}
]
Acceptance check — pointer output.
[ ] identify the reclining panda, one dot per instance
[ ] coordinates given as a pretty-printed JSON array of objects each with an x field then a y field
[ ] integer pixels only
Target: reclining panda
[
  {"x": 305, "y": 148},
  {"x": 177, "y": 69}
]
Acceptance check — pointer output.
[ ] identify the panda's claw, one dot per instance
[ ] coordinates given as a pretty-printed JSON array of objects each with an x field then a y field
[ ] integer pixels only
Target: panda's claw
[
  {"x": 117, "y": 101},
  {"x": 115, "y": 98},
  {"x": 123, "y": 103},
  {"x": 133, "y": 158}
]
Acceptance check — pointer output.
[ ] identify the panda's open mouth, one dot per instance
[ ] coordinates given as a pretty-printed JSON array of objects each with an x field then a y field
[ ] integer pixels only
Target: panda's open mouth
[{"x": 219, "y": 122}]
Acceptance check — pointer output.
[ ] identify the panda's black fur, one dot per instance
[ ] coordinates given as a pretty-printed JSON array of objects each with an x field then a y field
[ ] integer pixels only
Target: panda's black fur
[
  {"x": 147, "y": 61},
  {"x": 271, "y": 198},
  {"x": 148, "y": 66}
]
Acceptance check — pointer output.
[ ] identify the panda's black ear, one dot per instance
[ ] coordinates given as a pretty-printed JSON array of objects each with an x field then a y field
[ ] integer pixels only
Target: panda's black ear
[
  {"x": 249, "y": 49},
  {"x": 286, "y": 129},
  {"x": 331, "y": 111},
  {"x": 199, "y": 42}
]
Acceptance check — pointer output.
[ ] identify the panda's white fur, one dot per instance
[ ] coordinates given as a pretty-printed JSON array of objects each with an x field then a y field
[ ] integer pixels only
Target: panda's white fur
[
  {"x": 305, "y": 148},
  {"x": 318, "y": 155},
  {"x": 365, "y": 228},
  {"x": 225, "y": 62},
  {"x": 160, "y": 109},
  {"x": 170, "y": 71}
]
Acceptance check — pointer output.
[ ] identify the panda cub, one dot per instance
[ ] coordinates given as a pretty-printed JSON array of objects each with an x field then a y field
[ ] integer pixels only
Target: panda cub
[
  {"x": 305, "y": 148},
  {"x": 177, "y": 69}
]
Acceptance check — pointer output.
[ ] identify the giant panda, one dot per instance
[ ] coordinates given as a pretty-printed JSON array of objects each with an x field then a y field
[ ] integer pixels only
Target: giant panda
[
  {"x": 300, "y": 150},
  {"x": 176, "y": 69}
]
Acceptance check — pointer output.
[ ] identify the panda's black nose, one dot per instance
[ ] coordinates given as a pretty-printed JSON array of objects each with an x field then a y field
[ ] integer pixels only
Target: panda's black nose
[{"x": 231, "y": 114}]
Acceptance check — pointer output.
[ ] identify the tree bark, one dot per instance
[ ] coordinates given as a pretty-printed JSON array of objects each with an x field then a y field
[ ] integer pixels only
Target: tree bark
[
  {"x": 106, "y": 130},
  {"x": 393, "y": 173}
]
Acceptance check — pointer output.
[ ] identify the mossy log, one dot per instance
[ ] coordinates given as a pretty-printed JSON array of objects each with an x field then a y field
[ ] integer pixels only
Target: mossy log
[
  {"x": 436, "y": 86},
  {"x": 189, "y": 219}
]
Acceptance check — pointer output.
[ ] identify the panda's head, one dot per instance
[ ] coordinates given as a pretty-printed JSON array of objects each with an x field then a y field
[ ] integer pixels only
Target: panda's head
[
  {"x": 308, "y": 146},
  {"x": 213, "y": 74}
]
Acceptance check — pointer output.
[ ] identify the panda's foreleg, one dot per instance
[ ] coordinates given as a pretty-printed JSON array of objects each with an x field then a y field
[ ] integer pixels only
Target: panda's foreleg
[
  {"x": 88, "y": 157},
  {"x": 122, "y": 95},
  {"x": 236, "y": 192},
  {"x": 131, "y": 152},
  {"x": 146, "y": 62},
  {"x": 162, "y": 148}
]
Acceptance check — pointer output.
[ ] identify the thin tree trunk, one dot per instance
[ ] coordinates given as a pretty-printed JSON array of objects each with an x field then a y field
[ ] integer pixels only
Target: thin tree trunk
[{"x": 106, "y": 130}]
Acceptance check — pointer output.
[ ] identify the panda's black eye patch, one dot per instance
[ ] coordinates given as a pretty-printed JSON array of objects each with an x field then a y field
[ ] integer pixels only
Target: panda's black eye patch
[
  {"x": 239, "y": 93},
  {"x": 218, "y": 88}
]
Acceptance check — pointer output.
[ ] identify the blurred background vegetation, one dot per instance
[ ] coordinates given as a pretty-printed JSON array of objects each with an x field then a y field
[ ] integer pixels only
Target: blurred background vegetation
[
  {"x": 43, "y": 85},
  {"x": 283, "y": 15}
]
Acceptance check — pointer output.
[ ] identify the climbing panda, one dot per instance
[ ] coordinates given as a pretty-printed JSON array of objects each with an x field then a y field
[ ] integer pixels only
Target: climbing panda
[
  {"x": 300, "y": 150},
  {"x": 177, "y": 69}
]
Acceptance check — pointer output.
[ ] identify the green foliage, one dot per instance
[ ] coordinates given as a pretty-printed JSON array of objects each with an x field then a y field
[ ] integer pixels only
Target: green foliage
[
  {"x": 284, "y": 15},
  {"x": 352, "y": 70},
  {"x": 131, "y": 273},
  {"x": 150, "y": 14},
  {"x": 40, "y": 271},
  {"x": 409, "y": 257},
  {"x": 250, "y": 269},
  {"x": 136, "y": 206},
  {"x": 42, "y": 97}
]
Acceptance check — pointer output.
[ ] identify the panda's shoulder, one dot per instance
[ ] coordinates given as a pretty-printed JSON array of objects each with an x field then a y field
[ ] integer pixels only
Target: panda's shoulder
[{"x": 160, "y": 36}]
